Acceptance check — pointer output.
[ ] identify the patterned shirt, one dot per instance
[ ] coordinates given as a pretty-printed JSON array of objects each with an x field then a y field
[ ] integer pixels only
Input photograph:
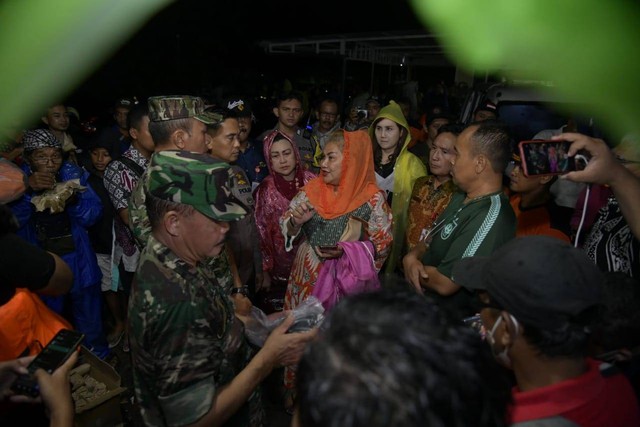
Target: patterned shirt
[
  {"x": 426, "y": 204},
  {"x": 611, "y": 244},
  {"x": 186, "y": 341},
  {"x": 120, "y": 180}
]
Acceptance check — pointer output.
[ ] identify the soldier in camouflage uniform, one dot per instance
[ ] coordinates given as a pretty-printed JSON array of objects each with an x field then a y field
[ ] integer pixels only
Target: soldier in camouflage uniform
[
  {"x": 190, "y": 359},
  {"x": 243, "y": 236},
  {"x": 172, "y": 120}
]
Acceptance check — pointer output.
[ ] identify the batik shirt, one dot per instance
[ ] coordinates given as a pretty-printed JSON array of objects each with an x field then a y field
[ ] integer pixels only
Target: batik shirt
[
  {"x": 120, "y": 181},
  {"x": 427, "y": 203},
  {"x": 611, "y": 244},
  {"x": 186, "y": 341}
]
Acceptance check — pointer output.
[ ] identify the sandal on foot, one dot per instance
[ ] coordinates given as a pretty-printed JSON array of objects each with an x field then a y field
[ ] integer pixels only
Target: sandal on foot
[{"x": 114, "y": 340}]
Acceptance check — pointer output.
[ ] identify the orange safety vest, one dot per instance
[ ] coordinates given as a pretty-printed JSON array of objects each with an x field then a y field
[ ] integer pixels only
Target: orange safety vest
[{"x": 27, "y": 324}]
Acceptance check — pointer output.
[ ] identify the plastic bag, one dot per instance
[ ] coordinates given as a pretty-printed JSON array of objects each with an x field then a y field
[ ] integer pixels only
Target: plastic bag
[
  {"x": 307, "y": 315},
  {"x": 13, "y": 182},
  {"x": 56, "y": 199}
]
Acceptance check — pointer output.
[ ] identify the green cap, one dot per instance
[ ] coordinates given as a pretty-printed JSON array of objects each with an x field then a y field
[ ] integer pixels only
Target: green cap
[
  {"x": 162, "y": 108},
  {"x": 196, "y": 180}
]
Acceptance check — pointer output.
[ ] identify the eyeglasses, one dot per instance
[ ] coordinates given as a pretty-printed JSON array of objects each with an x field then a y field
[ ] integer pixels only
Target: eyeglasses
[
  {"x": 45, "y": 160},
  {"x": 330, "y": 115}
]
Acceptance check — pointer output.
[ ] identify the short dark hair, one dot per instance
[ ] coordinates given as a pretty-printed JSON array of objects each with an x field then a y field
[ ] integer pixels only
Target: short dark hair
[
  {"x": 225, "y": 114},
  {"x": 157, "y": 207},
  {"x": 568, "y": 339},
  {"x": 285, "y": 96},
  {"x": 136, "y": 114},
  {"x": 492, "y": 140},
  {"x": 328, "y": 99},
  {"x": 161, "y": 131},
  {"x": 390, "y": 358},
  {"x": 454, "y": 128}
]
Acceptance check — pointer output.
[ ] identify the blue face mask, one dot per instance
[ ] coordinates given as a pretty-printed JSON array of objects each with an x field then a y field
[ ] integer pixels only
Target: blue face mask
[{"x": 502, "y": 357}]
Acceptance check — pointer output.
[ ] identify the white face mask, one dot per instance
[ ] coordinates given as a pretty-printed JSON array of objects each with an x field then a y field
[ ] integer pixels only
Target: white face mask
[{"x": 501, "y": 357}]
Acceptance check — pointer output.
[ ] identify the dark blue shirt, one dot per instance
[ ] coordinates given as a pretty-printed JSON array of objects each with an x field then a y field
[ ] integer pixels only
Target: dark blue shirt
[{"x": 253, "y": 163}]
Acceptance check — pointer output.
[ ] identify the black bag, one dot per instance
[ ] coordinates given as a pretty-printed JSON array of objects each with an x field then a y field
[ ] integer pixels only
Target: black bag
[{"x": 53, "y": 231}]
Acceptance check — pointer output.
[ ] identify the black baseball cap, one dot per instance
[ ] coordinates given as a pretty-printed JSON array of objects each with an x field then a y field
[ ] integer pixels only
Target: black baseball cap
[
  {"x": 239, "y": 106},
  {"x": 541, "y": 280}
]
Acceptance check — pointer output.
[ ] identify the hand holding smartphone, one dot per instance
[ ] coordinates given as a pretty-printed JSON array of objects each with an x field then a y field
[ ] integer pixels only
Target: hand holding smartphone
[
  {"x": 55, "y": 353},
  {"x": 548, "y": 157},
  {"x": 329, "y": 251}
]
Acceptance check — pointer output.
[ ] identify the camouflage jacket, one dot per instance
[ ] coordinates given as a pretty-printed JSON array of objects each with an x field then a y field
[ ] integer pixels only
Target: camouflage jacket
[{"x": 186, "y": 341}]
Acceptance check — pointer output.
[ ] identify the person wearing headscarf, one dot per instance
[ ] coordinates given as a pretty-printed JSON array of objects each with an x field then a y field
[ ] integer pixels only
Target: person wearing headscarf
[
  {"x": 396, "y": 170},
  {"x": 343, "y": 204},
  {"x": 272, "y": 197},
  {"x": 54, "y": 214}
]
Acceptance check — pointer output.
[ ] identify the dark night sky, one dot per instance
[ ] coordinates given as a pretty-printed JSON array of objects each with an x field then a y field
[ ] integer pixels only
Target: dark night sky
[{"x": 200, "y": 46}]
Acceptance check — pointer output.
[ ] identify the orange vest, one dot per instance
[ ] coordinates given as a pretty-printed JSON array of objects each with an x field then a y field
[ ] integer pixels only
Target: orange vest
[{"x": 26, "y": 323}]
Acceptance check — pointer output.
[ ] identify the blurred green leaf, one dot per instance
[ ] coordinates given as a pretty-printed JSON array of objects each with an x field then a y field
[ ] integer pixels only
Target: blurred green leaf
[
  {"x": 47, "y": 47},
  {"x": 588, "y": 48}
]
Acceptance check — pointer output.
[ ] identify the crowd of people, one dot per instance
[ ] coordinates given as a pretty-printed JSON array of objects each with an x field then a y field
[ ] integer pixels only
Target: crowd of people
[{"x": 177, "y": 223}]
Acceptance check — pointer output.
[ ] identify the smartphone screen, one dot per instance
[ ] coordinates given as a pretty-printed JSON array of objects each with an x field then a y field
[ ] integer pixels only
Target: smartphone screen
[
  {"x": 546, "y": 157},
  {"x": 57, "y": 351}
]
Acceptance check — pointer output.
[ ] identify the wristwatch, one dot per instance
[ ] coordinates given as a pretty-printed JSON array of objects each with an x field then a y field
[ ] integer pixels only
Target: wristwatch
[{"x": 244, "y": 290}]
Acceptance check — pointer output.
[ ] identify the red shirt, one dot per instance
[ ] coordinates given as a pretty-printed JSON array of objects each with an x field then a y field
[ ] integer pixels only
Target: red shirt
[{"x": 589, "y": 400}]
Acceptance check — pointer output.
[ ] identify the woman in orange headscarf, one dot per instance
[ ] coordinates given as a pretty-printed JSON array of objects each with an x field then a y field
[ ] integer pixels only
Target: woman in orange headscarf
[{"x": 343, "y": 204}]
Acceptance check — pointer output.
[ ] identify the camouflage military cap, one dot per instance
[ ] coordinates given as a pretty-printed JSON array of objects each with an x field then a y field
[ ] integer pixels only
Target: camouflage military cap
[
  {"x": 197, "y": 180},
  {"x": 162, "y": 108}
]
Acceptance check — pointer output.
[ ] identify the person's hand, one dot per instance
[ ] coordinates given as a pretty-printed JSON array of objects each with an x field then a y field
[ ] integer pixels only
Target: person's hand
[
  {"x": 242, "y": 305},
  {"x": 9, "y": 371},
  {"x": 55, "y": 391},
  {"x": 39, "y": 181},
  {"x": 283, "y": 349},
  {"x": 301, "y": 214},
  {"x": 602, "y": 167},
  {"x": 330, "y": 253},
  {"x": 415, "y": 272}
]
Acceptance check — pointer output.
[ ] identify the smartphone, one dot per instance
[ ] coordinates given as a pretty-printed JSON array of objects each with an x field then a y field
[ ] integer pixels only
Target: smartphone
[
  {"x": 328, "y": 247},
  {"x": 55, "y": 353},
  {"x": 547, "y": 157}
]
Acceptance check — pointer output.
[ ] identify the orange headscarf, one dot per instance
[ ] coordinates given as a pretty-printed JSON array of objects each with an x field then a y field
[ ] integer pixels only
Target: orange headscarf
[{"x": 357, "y": 181}]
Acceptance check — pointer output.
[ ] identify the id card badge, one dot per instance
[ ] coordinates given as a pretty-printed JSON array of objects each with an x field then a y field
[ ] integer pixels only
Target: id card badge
[{"x": 425, "y": 235}]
